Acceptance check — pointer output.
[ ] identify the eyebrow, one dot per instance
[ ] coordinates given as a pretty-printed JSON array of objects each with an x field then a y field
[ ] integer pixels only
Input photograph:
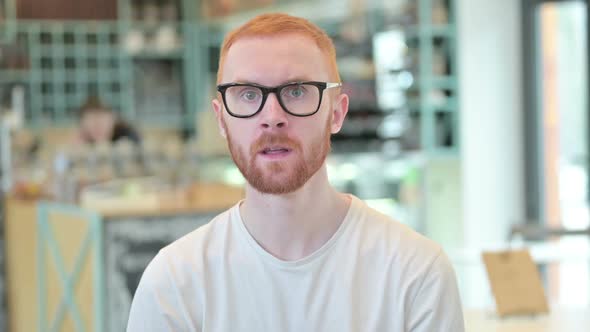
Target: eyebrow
[{"x": 291, "y": 80}]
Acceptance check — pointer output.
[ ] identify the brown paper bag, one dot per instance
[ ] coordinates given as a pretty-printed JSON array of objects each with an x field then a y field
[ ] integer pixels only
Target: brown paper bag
[{"x": 515, "y": 282}]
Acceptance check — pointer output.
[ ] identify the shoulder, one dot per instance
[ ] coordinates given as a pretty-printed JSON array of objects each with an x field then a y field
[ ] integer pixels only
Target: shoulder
[
  {"x": 391, "y": 235},
  {"x": 182, "y": 261},
  {"x": 176, "y": 270},
  {"x": 386, "y": 242},
  {"x": 124, "y": 130},
  {"x": 186, "y": 254},
  {"x": 418, "y": 264},
  {"x": 193, "y": 247}
]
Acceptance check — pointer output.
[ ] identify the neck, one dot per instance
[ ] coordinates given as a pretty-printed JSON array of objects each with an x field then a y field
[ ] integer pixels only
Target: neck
[{"x": 294, "y": 225}]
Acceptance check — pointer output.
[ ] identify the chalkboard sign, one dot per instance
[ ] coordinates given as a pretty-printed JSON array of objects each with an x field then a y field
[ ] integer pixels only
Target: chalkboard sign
[{"x": 130, "y": 244}]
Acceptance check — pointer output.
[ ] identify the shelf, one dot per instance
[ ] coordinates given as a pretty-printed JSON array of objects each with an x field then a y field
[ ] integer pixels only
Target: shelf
[
  {"x": 79, "y": 75},
  {"x": 80, "y": 51},
  {"x": 444, "y": 82},
  {"x": 442, "y": 153},
  {"x": 14, "y": 75},
  {"x": 434, "y": 30},
  {"x": 436, "y": 82},
  {"x": 165, "y": 121},
  {"x": 152, "y": 26},
  {"x": 449, "y": 106},
  {"x": 172, "y": 55},
  {"x": 422, "y": 156},
  {"x": 94, "y": 54},
  {"x": 66, "y": 26},
  {"x": 45, "y": 122}
]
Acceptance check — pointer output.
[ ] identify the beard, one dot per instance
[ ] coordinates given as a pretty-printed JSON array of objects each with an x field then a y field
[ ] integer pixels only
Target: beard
[{"x": 280, "y": 177}]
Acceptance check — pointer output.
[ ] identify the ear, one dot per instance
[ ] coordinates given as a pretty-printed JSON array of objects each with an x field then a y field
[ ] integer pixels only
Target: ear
[
  {"x": 218, "y": 108},
  {"x": 339, "y": 109}
]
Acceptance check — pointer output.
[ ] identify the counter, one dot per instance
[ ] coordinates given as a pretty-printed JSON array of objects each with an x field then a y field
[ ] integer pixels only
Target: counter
[{"x": 129, "y": 239}]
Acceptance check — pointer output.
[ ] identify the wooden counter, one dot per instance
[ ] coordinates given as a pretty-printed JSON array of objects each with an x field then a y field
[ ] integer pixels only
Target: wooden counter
[
  {"x": 20, "y": 234},
  {"x": 131, "y": 238},
  {"x": 199, "y": 198}
]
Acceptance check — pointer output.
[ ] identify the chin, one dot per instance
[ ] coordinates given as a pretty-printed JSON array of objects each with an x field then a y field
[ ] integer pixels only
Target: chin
[
  {"x": 287, "y": 181},
  {"x": 276, "y": 186}
]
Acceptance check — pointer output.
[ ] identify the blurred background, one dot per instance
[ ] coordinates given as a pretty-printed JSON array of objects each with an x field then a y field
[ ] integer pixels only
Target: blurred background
[{"x": 468, "y": 122}]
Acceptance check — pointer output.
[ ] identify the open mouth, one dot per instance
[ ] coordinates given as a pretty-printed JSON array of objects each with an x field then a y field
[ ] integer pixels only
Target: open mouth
[{"x": 275, "y": 150}]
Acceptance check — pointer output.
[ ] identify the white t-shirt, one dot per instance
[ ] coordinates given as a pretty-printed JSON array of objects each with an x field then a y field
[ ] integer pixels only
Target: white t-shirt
[{"x": 374, "y": 274}]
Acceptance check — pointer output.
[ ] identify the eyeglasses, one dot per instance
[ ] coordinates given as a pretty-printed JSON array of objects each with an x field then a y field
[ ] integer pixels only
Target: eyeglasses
[{"x": 244, "y": 100}]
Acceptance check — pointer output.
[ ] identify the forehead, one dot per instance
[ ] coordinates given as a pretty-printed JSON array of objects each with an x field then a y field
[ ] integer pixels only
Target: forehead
[
  {"x": 274, "y": 60},
  {"x": 97, "y": 114}
]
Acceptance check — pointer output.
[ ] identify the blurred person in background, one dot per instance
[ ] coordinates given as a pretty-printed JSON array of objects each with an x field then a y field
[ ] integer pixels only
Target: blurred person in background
[
  {"x": 295, "y": 254},
  {"x": 98, "y": 123}
]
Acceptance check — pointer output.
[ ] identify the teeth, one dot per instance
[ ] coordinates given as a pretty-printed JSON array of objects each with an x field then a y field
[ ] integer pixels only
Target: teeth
[{"x": 274, "y": 150}]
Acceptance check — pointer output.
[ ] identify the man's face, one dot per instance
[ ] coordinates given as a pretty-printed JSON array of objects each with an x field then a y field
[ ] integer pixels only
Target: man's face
[{"x": 276, "y": 152}]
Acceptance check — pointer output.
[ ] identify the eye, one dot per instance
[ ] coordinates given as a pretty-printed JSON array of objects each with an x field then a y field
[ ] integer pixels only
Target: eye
[
  {"x": 297, "y": 91},
  {"x": 250, "y": 95}
]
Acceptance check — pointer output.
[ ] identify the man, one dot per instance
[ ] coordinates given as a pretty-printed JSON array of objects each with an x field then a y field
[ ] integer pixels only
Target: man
[{"x": 294, "y": 255}]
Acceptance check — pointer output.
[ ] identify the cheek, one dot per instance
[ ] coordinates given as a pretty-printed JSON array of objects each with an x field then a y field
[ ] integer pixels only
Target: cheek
[
  {"x": 314, "y": 137},
  {"x": 238, "y": 135},
  {"x": 86, "y": 125},
  {"x": 102, "y": 126}
]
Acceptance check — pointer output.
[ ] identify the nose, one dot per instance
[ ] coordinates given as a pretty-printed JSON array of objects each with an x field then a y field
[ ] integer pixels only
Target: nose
[{"x": 273, "y": 115}]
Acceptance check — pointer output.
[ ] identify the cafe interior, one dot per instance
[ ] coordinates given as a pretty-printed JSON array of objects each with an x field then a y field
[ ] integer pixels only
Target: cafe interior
[{"x": 468, "y": 121}]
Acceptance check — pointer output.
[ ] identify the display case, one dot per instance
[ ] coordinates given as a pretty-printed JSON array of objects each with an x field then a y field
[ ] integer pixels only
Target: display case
[
  {"x": 156, "y": 64},
  {"x": 62, "y": 62},
  {"x": 412, "y": 52},
  {"x": 161, "y": 39}
]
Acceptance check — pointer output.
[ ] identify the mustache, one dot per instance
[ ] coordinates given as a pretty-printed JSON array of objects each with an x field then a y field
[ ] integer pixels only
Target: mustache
[{"x": 274, "y": 139}]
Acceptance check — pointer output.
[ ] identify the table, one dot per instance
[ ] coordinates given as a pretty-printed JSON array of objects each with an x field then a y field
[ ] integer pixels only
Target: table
[{"x": 559, "y": 320}]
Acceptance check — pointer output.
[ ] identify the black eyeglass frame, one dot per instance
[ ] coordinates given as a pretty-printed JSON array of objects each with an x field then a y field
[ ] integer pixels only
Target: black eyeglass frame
[{"x": 266, "y": 90}]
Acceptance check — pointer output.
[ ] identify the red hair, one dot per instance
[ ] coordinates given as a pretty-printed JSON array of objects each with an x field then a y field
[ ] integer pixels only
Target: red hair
[{"x": 269, "y": 25}]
